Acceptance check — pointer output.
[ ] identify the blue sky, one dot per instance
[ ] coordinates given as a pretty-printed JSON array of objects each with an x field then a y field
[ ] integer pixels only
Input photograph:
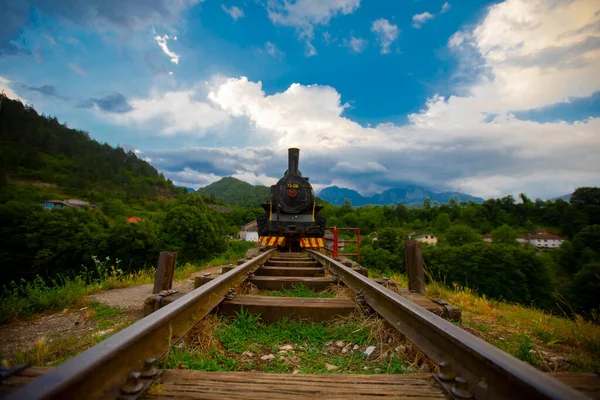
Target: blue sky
[{"x": 493, "y": 97}]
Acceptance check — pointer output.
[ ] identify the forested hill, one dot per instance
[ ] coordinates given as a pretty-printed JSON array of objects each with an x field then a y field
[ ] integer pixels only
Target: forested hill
[
  {"x": 235, "y": 192},
  {"x": 38, "y": 147}
]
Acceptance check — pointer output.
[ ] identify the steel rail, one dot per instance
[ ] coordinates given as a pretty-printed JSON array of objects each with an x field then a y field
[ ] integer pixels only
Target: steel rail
[
  {"x": 106, "y": 365},
  {"x": 489, "y": 372}
]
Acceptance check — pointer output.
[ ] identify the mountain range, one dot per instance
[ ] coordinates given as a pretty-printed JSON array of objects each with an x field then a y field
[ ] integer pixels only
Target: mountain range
[
  {"x": 236, "y": 192},
  {"x": 408, "y": 194}
]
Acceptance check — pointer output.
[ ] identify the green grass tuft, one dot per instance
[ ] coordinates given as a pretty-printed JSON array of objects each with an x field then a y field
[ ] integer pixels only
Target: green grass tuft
[
  {"x": 314, "y": 346},
  {"x": 299, "y": 290}
]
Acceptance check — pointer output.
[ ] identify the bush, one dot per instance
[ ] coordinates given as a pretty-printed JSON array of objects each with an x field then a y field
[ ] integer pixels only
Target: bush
[
  {"x": 503, "y": 272},
  {"x": 458, "y": 235},
  {"x": 136, "y": 245},
  {"x": 380, "y": 259},
  {"x": 193, "y": 232},
  {"x": 584, "y": 295}
]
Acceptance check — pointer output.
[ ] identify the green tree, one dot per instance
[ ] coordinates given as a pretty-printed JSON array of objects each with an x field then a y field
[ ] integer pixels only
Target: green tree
[
  {"x": 458, "y": 235},
  {"x": 442, "y": 222},
  {"x": 136, "y": 245},
  {"x": 114, "y": 208},
  {"x": 427, "y": 203},
  {"x": 381, "y": 259},
  {"x": 503, "y": 272},
  {"x": 505, "y": 235},
  {"x": 346, "y": 207},
  {"x": 194, "y": 233},
  {"x": 585, "y": 289},
  {"x": 589, "y": 237}
]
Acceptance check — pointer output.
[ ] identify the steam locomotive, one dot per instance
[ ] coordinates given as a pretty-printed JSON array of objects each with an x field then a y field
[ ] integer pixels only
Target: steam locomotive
[{"x": 291, "y": 215}]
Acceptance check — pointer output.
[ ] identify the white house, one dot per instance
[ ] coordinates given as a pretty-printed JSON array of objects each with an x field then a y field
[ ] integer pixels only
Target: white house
[
  {"x": 249, "y": 232},
  {"x": 546, "y": 240},
  {"x": 251, "y": 236},
  {"x": 427, "y": 238},
  {"x": 540, "y": 240}
]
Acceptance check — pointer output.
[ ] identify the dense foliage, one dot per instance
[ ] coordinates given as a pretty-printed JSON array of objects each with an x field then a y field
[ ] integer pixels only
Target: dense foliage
[
  {"x": 41, "y": 159},
  {"x": 566, "y": 279},
  {"x": 64, "y": 241},
  {"x": 37, "y": 147}
]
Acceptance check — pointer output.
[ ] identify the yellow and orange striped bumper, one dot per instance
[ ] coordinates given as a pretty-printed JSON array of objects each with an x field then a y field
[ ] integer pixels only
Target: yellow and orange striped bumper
[
  {"x": 312, "y": 242},
  {"x": 271, "y": 241}
]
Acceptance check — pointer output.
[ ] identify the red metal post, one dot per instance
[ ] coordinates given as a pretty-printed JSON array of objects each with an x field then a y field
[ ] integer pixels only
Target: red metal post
[
  {"x": 358, "y": 245},
  {"x": 335, "y": 242}
]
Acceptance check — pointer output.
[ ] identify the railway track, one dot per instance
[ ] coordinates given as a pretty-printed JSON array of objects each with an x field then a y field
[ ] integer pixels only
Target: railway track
[{"x": 123, "y": 366}]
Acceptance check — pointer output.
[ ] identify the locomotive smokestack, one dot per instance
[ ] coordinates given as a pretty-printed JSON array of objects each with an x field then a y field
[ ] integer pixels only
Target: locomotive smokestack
[{"x": 293, "y": 159}]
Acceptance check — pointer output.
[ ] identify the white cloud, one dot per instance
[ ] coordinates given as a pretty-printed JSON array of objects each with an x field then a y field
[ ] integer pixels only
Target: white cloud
[
  {"x": 233, "y": 11},
  {"x": 8, "y": 91},
  {"x": 420, "y": 19},
  {"x": 77, "y": 68},
  {"x": 191, "y": 178},
  {"x": 175, "y": 112},
  {"x": 532, "y": 55},
  {"x": 358, "y": 45},
  {"x": 272, "y": 50},
  {"x": 304, "y": 15},
  {"x": 295, "y": 117},
  {"x": 255, "y": 179},
  {"x": 162, "y": 43},
  {"x": 386, "y": 33},
  {"x": 50, "y": 40},
  {"x": 309, "y": 49},
  {"x": 358, "y": 167}
]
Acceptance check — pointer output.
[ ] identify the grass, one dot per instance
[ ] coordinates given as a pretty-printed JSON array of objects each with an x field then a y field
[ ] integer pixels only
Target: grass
[
  {"x": 56, "y": 348},
  {"x": 294, "y": 346},
  {"x": 547, "y": 341},
  {"x": 107, "y": 317},
  {"x": 28, "y": 298},
  {"x": 299, "y": 290}
]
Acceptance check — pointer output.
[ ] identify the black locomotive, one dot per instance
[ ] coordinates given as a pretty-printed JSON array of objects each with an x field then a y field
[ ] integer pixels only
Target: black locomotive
[{"x": 291, "y": 211}]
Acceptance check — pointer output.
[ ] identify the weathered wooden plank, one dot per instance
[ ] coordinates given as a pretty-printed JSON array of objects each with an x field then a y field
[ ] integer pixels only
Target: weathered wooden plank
[
  {"x": 294, "y": 263},
  {"x": 248, "y": 385},
  {"x": 289, "y": 271},
  {"x": 282, "y": 282},
  {"x": 588, "y": 384},
  {"x": 272, "y": 309},
  {"x": 292, "y": 258}
]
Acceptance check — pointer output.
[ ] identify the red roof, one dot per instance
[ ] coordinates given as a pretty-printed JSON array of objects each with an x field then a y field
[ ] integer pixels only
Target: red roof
[{"x": 546, "y": 236}]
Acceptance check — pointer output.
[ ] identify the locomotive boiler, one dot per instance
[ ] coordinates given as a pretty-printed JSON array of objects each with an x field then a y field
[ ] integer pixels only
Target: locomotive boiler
[{"x": 291, "y": 216}]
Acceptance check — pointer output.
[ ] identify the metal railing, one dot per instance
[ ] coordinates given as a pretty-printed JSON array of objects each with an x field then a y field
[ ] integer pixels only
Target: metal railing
[{"x": 336, "y": 240}]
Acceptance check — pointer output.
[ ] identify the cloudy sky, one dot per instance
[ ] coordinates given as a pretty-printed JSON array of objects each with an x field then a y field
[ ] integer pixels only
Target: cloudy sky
[{"x": 493, "y": 98}]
